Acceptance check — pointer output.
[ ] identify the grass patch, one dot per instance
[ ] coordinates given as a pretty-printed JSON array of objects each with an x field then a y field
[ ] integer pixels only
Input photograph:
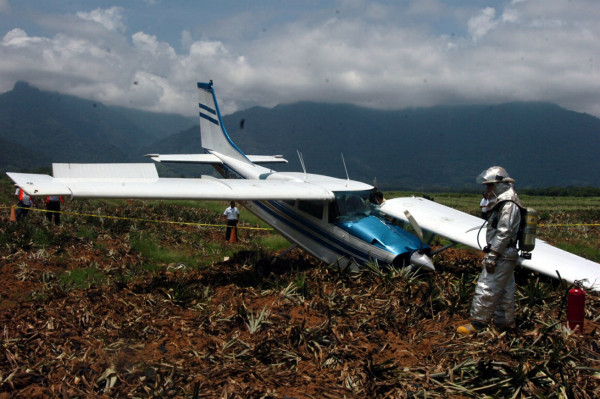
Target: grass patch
[
  {"x": 273, "y": 242},
  {"x": 213, "y": 252},
  {"x": 42, "y": 237},
  {"x": 82, "y": 278},
  {"x": 582, "y": 249},
  {"x": 157, "y": 254},
  {"x": 86, "y": 232}
]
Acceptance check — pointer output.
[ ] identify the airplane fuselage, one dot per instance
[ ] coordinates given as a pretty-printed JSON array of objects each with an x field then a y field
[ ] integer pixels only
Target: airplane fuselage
[
  {"x": 347, "y": 231},
  {"x": 336, "y": 220}
]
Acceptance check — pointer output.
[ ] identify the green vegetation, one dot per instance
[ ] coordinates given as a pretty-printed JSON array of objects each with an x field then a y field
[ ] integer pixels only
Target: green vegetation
[
  {"x": 157, "y": 254},
  {"x": 142, "y": 223},
  {"x": 86, "y": 232},
  {"x": 82, "y": 278},
  {"x": 273, "y": 242},
  {"x": 256, "y": 321},
  {"x": 150, "y": 304},
  {"x": 131, "y": 239},
  {"x": 564, "y": 191}
]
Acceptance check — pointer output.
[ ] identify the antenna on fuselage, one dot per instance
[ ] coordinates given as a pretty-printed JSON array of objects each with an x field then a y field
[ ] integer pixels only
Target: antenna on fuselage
[
  {"x": 302, "y": 163},
  {"x": 346, "y": 169}
]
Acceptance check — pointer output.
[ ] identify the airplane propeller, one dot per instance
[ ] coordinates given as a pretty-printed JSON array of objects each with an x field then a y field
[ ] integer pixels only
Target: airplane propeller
[
  {"x": 418, "y": 257},
  {"x": 415, "y": 226}
]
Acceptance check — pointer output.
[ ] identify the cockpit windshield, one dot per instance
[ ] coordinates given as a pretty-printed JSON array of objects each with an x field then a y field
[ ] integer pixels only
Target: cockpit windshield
[{"x": 351, "y": 205}]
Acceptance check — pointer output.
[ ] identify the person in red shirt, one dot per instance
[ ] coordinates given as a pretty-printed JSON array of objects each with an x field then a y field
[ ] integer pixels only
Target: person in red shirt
[{"x": 25, "y": 202}]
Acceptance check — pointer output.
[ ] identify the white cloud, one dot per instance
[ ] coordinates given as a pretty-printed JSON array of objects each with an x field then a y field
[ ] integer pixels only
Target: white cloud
[
  {"x": 481, "y": 24},
  {"x": 111, "y": 19},
  {"x": 18, "y": 38},
  {"x": 368, "y": 54}
]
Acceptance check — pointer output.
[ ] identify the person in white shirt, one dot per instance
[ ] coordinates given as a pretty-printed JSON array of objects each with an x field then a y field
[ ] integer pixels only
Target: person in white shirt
[{"x": 232, "y": 214}]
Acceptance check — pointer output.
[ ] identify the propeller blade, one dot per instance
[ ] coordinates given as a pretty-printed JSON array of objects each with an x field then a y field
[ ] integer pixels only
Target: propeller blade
[{"x": 415, "y": 226}]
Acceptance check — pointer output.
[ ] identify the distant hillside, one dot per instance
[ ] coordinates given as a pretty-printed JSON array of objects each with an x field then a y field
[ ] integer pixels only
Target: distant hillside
[
  {"x": 439, "y": 148},
  {"x": 13, "y": 156},
  {"x": 40, "y": 127}
]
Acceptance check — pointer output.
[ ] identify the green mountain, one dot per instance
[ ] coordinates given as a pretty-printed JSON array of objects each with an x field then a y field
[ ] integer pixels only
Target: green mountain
[
  {"x": 439, "y": 148},
  {"x": 39, "y": 127}
]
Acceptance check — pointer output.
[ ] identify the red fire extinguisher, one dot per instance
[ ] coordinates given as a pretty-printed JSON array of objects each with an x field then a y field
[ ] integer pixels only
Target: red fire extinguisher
[{"x": 576, "y": 307}]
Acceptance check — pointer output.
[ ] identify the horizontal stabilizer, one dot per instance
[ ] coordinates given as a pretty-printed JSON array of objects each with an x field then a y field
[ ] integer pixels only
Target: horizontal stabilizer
[
  {"x": 267, "y": 158},
  {"x": 185, "y": 158},
  {"x": 211, "y": 158}
]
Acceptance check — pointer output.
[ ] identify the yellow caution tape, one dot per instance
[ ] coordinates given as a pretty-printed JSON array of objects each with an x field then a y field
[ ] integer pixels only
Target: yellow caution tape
[
  {"x": 222, "y": 225},
  {"x": 136, "y": 219}
]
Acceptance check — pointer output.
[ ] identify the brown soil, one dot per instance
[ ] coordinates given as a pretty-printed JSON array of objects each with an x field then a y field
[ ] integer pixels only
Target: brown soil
[{"x": 181, "y": 332}]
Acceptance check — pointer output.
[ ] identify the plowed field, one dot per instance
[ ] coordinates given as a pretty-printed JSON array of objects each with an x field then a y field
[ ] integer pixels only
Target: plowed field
[{"x": 85, "y": 312}]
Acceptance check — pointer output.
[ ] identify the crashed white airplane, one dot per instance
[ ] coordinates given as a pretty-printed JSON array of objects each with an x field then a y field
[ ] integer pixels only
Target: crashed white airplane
[{"x": 335, "y": 220}]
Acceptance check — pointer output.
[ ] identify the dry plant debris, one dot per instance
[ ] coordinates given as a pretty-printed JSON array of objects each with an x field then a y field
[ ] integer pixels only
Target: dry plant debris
[{"x": 265, "y": 326}]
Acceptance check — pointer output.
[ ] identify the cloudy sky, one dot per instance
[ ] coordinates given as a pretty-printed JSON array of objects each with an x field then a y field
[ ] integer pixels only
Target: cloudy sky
[{"x": 149, "y": 54}]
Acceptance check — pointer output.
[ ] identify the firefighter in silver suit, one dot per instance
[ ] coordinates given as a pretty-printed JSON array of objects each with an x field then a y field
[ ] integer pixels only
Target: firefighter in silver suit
[{"x": 495, "y": 291}]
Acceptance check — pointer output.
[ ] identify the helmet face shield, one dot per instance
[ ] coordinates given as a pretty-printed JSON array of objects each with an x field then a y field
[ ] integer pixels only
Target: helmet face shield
[{"x": 493, "y": 175}]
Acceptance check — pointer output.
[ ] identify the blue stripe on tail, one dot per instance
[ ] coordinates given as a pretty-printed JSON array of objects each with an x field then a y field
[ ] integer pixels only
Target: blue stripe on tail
[{"x": 222, "y": 142}]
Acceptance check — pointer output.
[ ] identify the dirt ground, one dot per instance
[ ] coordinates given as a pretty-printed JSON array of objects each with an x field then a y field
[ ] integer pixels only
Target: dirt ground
[{"x": 298, "y": 329}]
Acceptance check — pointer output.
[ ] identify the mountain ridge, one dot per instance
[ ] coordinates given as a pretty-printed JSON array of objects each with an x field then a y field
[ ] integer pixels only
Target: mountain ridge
[
  {"x": 437, "y": 149},
  {"x": 70, "y": 129}
]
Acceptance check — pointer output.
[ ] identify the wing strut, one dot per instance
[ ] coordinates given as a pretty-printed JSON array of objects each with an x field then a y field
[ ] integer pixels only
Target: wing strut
[{"x": 445, "y": 247}]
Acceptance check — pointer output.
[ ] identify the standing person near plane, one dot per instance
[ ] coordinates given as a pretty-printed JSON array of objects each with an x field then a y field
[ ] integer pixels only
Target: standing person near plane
[
  {"x": 495, "y": 291},
  {"x": 53, "y": 208},
  {"x": 25, "y": 202},
  {"x": 232, "y": 214}
]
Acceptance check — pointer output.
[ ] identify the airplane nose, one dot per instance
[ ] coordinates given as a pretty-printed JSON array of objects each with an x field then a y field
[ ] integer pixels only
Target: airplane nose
[{"x": 421, "y": 260}]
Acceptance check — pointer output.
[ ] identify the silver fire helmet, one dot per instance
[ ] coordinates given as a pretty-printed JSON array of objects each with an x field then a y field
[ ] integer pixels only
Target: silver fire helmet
[{"x": 495, "y": 174}]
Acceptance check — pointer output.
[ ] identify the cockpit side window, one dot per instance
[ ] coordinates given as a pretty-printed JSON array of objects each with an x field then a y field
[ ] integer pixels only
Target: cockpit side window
[
  {"x": 334, "y": 212},
  {"x": 313, "y": 208}
]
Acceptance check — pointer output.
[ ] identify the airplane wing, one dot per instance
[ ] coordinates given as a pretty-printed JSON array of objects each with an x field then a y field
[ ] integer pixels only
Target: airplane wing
[
  {"x": 141, "y": 181},
  {"x": 463, "y": 228}
]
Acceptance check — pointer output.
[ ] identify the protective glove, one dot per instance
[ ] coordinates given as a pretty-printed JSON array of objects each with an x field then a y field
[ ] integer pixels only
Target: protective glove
[{"x": 489, "y": 262}]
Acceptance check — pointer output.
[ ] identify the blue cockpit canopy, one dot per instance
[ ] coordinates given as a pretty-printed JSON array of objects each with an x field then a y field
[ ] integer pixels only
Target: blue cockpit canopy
[{"x": 354, "y": 212}]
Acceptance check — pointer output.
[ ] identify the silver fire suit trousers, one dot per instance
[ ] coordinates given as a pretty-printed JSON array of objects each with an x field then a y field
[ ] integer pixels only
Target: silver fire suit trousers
[{"x": 494, "y": 297}]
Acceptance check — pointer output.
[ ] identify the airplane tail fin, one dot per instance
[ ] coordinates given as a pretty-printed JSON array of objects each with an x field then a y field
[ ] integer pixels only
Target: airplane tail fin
[{"x": 212, "y": 131}]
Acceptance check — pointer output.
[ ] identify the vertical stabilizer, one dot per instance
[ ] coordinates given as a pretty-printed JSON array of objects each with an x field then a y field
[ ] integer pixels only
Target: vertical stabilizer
[{"x": 212, "y": 131}]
